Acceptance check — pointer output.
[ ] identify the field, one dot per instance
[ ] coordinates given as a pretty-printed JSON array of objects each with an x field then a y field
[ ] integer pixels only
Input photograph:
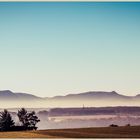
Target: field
[{"x": 102, "y": 132}]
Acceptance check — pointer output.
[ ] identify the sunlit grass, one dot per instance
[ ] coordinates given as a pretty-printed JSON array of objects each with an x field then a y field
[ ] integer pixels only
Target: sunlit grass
[{"x": 102, "y": 132}]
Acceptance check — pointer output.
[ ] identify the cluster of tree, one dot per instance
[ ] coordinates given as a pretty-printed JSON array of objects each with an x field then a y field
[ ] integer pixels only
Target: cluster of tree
[
  {"x": 114, "y": 125},
  {"x": 28, "y": 120}
]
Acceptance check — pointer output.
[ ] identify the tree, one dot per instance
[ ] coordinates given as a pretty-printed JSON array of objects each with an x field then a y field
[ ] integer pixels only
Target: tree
[
  {"x": 22, "y": 115},
  {"x": 32, "y": 119},
  {"x": 6, "y": 122},
  {"x": 28, "y": 120}
]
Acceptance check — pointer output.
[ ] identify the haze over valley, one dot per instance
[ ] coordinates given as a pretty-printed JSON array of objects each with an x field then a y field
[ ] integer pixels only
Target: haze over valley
[
  {"x": 69, "y": 65},
  {"x": 9, "y": 99}
]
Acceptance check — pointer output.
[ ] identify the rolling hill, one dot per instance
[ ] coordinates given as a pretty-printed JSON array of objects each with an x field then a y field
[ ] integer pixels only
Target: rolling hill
[{"x": 92, "y": 98}]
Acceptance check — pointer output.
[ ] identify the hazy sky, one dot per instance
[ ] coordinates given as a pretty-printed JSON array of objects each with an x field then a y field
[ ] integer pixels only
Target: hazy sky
[{"x": 54, "y": 48}]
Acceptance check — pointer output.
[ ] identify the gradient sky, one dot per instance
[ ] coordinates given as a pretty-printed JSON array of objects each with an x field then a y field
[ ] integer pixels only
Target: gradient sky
[{"x": 57, "y": 48}]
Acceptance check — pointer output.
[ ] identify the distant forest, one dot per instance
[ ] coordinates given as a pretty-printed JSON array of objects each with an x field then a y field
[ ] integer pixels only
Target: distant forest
[{"x": 93, "y": 111}]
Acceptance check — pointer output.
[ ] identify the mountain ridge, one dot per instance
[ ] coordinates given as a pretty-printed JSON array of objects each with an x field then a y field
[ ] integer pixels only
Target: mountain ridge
[
  {"x": 93, "y": 93},
  {"x": 90, "y": 98}
]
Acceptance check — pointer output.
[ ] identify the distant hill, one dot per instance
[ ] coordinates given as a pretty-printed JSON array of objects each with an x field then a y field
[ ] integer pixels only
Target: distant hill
[
  {"x": 94, "y": 98},
  {"x": 9, "y": 95},
  {"x": 94, "y": 95},
  {"x": 89, "y": 99}
]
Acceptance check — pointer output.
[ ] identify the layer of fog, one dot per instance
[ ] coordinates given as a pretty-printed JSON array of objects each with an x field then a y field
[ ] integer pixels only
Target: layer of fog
[
  {"x": 86, "y": 121},
  {"x": 68, "y": 103},
  {"x": 57, "y": 122}
]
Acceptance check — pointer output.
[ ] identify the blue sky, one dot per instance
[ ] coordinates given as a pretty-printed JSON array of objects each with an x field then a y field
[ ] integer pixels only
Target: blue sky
[{"x": 56, "y": 48}]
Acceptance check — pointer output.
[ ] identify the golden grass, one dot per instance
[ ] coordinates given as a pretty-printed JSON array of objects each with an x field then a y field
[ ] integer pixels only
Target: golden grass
[{"x": 102, "y": 132}]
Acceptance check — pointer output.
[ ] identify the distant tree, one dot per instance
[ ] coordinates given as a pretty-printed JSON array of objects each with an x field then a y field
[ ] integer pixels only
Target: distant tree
[
  {"x": 32, "y": 119},
  {"x": 28, "y": 120},
  {"x": 6, "y": 122},
  {"x": 22, "y": 115},
  {"x": 113, "y": 125}
]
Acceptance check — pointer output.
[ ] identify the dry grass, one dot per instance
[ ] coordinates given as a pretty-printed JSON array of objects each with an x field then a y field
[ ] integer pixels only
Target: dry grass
[{"x": 102, "y": 132}]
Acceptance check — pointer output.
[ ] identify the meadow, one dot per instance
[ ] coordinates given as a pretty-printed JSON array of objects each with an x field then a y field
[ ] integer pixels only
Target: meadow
[{"x": 96, "y": 132}]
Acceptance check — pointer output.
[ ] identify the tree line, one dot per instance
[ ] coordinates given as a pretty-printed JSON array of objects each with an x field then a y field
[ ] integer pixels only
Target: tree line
[{"x": 28, "y": 120}]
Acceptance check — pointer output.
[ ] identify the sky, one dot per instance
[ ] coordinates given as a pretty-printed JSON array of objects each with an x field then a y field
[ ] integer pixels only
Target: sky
[{"x": 58, "y": 48}]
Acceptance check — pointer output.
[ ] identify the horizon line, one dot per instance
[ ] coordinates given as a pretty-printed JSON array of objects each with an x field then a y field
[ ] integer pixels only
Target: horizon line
[{"x": 69, "y": 93}]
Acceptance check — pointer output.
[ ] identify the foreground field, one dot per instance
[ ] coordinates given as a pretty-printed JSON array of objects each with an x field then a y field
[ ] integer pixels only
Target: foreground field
[{"x": 102, "y": 132}]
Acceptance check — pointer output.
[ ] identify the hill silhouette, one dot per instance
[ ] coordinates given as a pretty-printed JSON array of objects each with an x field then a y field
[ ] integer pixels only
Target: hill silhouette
[{"x": 91, "y": 98}]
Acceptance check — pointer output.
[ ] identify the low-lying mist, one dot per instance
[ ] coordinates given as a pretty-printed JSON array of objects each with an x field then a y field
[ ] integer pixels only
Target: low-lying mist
[{"x": 83, "y": 117}]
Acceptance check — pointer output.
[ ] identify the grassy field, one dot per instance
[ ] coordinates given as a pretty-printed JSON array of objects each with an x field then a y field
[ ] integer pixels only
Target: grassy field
[{"x": 102, "y": 132}]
